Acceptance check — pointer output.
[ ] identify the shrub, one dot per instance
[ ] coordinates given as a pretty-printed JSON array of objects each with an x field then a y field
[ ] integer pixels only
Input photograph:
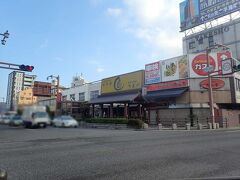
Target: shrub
[
  {"x": 107, "y": 120},
  {"x": 135, "y": 123}
]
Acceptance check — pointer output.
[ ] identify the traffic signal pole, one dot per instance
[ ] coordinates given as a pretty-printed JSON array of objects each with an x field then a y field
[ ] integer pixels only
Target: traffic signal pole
[
  {"x": 17, "y": 67},
  {"x": 210, "y": 91}
]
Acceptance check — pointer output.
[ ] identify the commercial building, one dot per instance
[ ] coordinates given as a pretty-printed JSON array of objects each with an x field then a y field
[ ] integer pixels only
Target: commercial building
[
  {"x": 17, "y": 81},
  {"x": 178, "y": 90},
  {"x": 74, "y": 99},
  {"x": 120, "y": 96},
  {"x": 26, "y": 97}
]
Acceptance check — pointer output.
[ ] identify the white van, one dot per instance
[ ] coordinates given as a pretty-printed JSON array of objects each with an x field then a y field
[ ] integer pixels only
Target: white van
[{"x": 35, "y": 116}]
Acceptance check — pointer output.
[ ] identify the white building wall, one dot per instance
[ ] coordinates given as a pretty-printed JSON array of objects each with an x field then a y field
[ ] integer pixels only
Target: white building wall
[
  {"x": 85, "y": 88},
  {"x": 227, "y": 34}
]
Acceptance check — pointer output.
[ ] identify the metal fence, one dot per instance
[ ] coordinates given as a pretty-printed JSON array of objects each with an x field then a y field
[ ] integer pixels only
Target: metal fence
[{"x": 181, "y": 122}]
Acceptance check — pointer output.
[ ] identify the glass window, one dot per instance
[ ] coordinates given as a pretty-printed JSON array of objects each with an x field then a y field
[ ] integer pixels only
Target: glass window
[
  {"x": 82, "y": 96},
  {"x": 72, "y": 97},
  {"x": 192, "y": 45},
  {"x": 94, "y": 94},
  {"x": 211, "y": 41},
  {"x": 64, "y": 98}
]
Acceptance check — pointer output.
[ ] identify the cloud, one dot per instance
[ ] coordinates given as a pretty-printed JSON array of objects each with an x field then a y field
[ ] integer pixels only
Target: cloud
[
  {"x": 97, "y": 64},
  {"x": 155, "y": 23},
  {"x": 100, "y": 69},
  {"x": 114, "y": 12}
]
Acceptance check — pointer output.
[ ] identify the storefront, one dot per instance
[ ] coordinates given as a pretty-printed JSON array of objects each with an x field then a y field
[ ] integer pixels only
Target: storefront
[
  {"x": 120, "y": 96},
  {"x": 177, "y": 91}
]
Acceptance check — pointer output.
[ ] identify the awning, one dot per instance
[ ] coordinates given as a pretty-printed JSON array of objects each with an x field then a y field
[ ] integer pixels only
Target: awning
[
  {"x": 164, "y": 94},
  {"x": 119, "y": 98}
]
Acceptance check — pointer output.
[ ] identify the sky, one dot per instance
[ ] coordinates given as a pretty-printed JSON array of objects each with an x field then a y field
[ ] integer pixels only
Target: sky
[{"x": 95, "y": 38}]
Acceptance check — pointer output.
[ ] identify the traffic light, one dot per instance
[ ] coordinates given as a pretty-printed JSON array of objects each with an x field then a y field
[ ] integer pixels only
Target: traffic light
[
  {"x": 236, "y": 68},
  {"x": 26, "y": 68}
]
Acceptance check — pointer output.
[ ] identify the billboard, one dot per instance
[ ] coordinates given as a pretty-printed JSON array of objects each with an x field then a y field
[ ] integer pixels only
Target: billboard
[
  {"x": 189, "y": 14},
  {"x": 174, "y": 68},
  {"x": 152, "y": 73},
  {"x": 198, "y": 63},
  {"x": 196, "y": 12},
  {"x": 122, "y": 83}
]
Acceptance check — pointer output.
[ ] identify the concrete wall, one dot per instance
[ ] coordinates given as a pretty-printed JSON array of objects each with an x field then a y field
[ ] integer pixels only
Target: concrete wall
[{"x": 230, "y": 118}]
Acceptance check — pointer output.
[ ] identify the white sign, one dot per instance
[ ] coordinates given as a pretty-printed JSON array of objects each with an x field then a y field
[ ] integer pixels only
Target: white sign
[
  {"x": 174, "y": 69},
  {"x": 152, "y": 73}
]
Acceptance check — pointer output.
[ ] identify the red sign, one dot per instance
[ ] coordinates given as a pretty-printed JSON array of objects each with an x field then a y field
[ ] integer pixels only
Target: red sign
[
  {"x": 220, "y": 57},
  {"x": 199, "y": 63},
  {"x": 168, "y": 85},
  {"x": 216, "y": 83}
]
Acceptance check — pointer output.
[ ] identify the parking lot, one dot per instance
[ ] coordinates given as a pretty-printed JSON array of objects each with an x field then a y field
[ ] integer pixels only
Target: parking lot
[{"x": 77, "y": 153}]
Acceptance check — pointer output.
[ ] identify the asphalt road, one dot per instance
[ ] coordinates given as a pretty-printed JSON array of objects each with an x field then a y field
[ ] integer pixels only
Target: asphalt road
[{"x": 59, "y": 153}]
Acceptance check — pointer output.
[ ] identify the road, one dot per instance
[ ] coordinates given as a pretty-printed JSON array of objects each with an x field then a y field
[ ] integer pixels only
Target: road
[{"x": 61, "y": 153}]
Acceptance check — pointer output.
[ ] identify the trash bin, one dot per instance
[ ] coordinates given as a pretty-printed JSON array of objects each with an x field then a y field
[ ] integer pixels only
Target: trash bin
[
  {"x": 159, "y": 126},
  {"x": 199, "y": 126},
  {"x": 188, "y": 126},
  {"x": 174, "y": 126}
]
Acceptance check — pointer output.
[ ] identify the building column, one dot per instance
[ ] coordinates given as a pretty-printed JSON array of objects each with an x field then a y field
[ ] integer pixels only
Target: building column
[
  {"x": 101, "y": 115},
  {"x": 111, "y": 110},
  {"x": 126, "y": 111},
  {"x": 93, "y": 110},
  {"x": 140, "y": 115}
]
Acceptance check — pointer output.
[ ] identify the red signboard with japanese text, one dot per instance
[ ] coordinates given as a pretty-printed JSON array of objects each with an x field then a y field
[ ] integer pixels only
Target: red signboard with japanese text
[
  {"x": 216, "y": 84},
  {"x": 168, "y": 85},
  {"x": 199, "y": 66}
]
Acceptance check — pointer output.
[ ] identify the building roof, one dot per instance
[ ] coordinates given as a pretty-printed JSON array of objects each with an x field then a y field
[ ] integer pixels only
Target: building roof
[
  {"x": 164, "y": 94},
  {"x": 118, "y": 98}
]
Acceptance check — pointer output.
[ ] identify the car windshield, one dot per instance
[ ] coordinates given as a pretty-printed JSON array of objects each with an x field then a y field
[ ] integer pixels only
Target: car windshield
[
  {"x": 16, "y": 118},
  {"x": 67, "y": 118},
  {"x": 40, "y": 114}
]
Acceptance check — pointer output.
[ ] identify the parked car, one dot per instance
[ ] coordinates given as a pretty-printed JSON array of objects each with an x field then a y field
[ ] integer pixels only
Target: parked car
[
  {"x": 6, "y": 119},
  {"x": 65, "y": 121},
  {"x": 16, "y": 121}
]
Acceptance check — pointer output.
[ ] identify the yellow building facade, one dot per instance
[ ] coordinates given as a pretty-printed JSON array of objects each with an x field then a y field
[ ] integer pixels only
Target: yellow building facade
[{"x": 26, "y": 97}]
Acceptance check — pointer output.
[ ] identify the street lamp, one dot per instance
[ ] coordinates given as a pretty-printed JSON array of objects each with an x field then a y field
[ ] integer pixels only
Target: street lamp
[
  {"x": 5, "y": 36},
  {"x": 210, "y": 91},
  {"x": 57, "y": 78}
]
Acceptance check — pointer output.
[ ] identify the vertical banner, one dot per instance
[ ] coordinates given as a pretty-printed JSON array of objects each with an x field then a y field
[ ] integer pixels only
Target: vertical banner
[
  {"x": 152, "y": 73},
  {"x": 221, "y": 56}
]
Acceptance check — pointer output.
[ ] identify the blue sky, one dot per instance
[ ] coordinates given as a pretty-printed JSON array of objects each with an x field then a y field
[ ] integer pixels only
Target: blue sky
[{"x": 98, "y": 38}]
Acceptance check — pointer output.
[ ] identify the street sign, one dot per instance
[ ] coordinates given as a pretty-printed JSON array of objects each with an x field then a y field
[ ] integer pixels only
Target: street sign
[
  {"x": 227, "y": 66},
  {"x": 208, "y": 68}
]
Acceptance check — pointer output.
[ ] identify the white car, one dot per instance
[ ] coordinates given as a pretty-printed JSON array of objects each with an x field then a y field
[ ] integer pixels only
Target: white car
[
  {"x": 65, "y": 121},
  {"x": 6, "y": 119}
]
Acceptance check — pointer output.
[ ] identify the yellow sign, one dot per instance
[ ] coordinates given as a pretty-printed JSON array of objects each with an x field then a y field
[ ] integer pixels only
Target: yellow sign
[{"x": 125, "y": 82}]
